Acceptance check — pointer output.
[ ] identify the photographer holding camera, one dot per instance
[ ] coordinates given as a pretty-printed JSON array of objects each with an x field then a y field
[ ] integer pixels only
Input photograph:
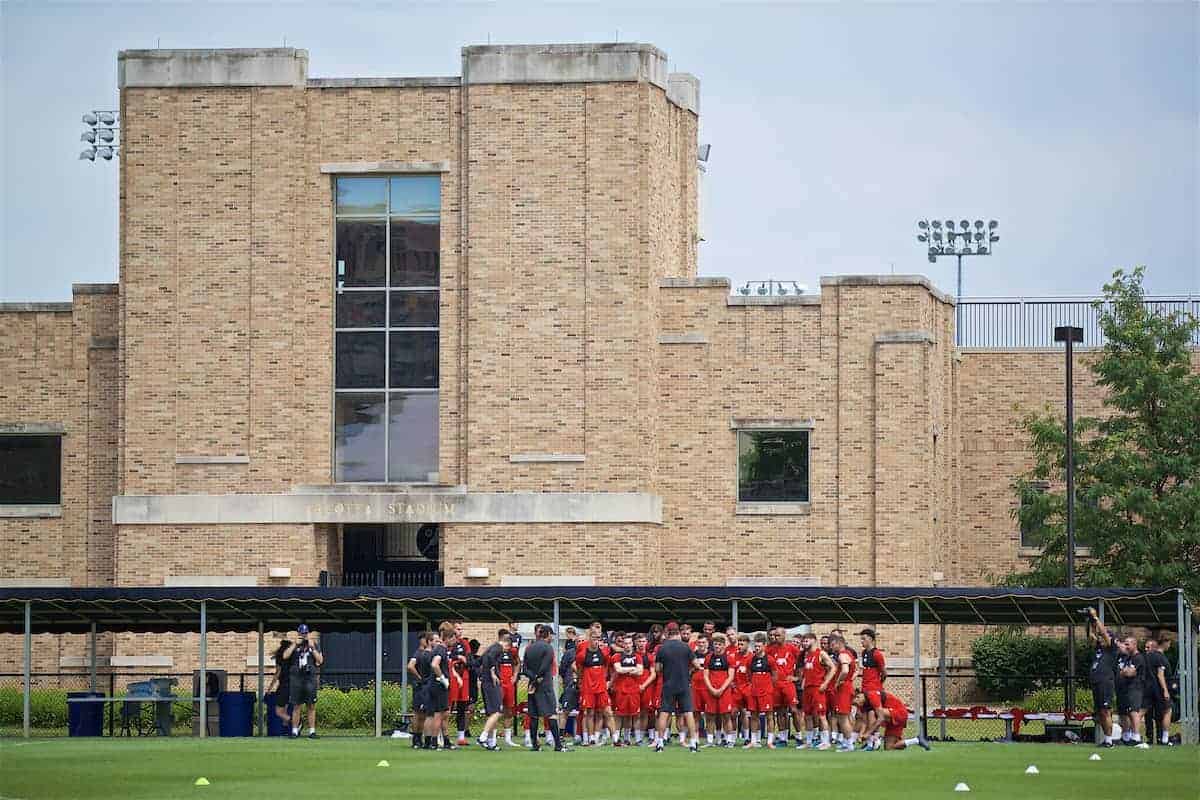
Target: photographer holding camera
[{"x": 305, "y": 658}]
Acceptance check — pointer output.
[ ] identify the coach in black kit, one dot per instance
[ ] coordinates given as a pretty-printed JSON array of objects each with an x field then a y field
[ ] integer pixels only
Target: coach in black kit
[
  {"x": 539, "y": 670},
  {"x": 1103, "y": 674}
]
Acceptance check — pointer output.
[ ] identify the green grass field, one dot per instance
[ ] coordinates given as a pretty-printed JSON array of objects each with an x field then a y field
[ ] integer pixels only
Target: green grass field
[{"x": 342, "y": 769}]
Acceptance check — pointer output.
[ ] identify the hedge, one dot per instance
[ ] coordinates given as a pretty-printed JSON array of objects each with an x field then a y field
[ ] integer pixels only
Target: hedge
[
  {"x": 1012, "y": 663},
  {"x": 336, "y": 708}
]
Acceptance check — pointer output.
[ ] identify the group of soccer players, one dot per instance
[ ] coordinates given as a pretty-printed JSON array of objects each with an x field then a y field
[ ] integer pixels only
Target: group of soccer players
[{"x": 746, "y": 690}]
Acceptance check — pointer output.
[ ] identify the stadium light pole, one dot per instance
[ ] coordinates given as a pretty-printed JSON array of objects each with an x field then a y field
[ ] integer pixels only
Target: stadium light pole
[
  {"x": 1070, "y": 334},
  {"x": 965, "y": 240}
]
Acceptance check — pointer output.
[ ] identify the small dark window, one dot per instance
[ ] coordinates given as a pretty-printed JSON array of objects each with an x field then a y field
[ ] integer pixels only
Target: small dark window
[
  {"x": 30, "y": 470},
  {"x": 773, "y": 466},
  {"x": 1034, "y": 535}
]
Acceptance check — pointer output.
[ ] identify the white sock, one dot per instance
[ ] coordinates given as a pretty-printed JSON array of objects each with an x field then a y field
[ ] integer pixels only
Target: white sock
[
  {"x": 492, "y": 739},
  {"x": 1137, "y": 737},
  {"x": 1165, "y": 737},
  {"x": 296, "y": 731},
  {"x": 1108, "y": 740},
  {"x": 912, "y": 741},
  {"x": 853, "y": 738},
  {"x": 638, "y": 735},
  {"x": 710, "y": 738},
  {"x": 824, "y": 737},
  {"x": 754, "y": 737}
]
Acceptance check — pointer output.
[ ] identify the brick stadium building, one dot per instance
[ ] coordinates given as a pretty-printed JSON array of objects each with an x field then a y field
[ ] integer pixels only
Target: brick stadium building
[{"x": 450, "y": 330}]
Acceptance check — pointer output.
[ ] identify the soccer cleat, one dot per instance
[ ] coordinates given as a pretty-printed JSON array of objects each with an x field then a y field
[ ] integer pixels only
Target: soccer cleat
[
  {"x": 924, "y": 745},
  {"x": 800, "y": 745},
  {"x": 845, "y": 747},
  {"x": 750, "y": 746},
  {"x": 824, "y": 746},
  {"x": 1108, "y": 745},
  {"x": 658, "y": 747},
  {"x": 694, "y": 748},
  {"x": 313, "y": 735}
]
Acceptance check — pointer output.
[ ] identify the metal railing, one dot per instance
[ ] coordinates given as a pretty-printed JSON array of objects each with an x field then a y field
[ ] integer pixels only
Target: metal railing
[
  {"x": 381, "y": 577},
  {"x": 1004, "y": 322}
]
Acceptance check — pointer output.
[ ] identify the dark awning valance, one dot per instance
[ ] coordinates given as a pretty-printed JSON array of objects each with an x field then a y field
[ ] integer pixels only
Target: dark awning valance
[{"x": 151, "y": 610}]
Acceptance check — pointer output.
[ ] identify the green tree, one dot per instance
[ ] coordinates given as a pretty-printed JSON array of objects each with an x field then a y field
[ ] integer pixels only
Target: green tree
[{"x": 1137, "y": 469}]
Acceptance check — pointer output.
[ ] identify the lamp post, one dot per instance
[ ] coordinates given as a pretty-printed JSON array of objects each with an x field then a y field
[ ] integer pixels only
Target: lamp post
[
  {"x": 1070, "y": 335},
  {"x": 966, "y": 240}
]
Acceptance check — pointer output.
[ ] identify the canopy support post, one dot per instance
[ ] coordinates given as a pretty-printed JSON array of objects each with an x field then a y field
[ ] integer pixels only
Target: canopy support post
[
  {"x": 1193, "y": 710},
  {"x": 1186, "y": 669},
  {"x": 92, "y": 661},
  {"x": 404, "y": 669},
  {"x": 918, "y": 693},
  {"x": 942, "y": 676},
  {"x": 26, "y": 661},
  {"x": 262, "y": 708},
  {"x": 378, "y": 668},
  {"x": 203, "y": 668},
  {"x": 557, "y": 646},
  {"x": 733, "y": 615}
]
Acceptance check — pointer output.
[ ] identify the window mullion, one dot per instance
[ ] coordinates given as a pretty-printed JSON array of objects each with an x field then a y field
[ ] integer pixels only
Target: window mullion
[{"x": 387, "y": 335}]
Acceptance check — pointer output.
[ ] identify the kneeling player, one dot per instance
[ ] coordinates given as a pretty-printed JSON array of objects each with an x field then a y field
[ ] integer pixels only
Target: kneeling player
[{"x": 889, "y": 712}]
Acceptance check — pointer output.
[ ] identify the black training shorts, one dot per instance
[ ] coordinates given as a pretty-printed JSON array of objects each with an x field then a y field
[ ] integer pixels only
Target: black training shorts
[
  {"x": 676, "y": 702},
  {"x": 1102, "y": 694},
  {"x": 303, "y": 690},
  {"x": 283, "y": 695},
  {"x": 1129, "y": 701},
  {"x": 491, "y": 698},
  {"x": 437, "y": 698}
]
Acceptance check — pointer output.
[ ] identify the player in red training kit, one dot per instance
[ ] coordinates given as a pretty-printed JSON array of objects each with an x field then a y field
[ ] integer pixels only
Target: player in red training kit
[
  {"x": 739, "y": 662},
  {"x": 762, "y": 692},
  {"x": 718, "y": 680},
  {"x": 874, "y": 673},
  {"x": 592, "y": 663},
  {"x": 700, "y": 695},
  {"x": 784, "y": 656},
  {"x": 890, "y": 712},
  {"x": 818, "y": 672},
  {"x": 651, "y": 686},
  {"x": 627, "y": 688},
  {"x": 843, "y": 689}
]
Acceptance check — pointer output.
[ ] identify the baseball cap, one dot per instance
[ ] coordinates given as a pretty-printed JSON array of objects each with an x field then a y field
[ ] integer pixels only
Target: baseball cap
[{"x": 302, "y": 628}]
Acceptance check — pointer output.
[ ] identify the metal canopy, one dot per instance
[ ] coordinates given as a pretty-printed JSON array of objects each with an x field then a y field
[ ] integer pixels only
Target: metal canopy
[{"x": 177, "y": 610}]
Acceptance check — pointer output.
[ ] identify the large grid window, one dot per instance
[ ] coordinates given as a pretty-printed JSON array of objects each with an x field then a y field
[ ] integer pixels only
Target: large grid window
[
  {"x": 30, "y": 470},
  {"x": 772, "y": 466},
  {"x": 388, "y": 235}
]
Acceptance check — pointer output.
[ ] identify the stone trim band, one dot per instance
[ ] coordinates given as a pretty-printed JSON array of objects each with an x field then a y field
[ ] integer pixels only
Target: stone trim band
[{"x": 417, "y": 506}]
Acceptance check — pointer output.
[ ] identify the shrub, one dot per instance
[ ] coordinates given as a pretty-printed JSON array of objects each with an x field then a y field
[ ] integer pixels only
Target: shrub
[
  {"x": 1053, "y": 700},
  {"x": 1011, "y": 663}
]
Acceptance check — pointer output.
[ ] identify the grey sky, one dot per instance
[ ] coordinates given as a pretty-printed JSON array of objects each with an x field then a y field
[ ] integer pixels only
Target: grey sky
[{"x": 834, "y": 127}]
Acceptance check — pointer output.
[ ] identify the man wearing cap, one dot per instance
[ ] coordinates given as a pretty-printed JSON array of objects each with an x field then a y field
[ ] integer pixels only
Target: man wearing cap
[{"x": 305, "y": 659}]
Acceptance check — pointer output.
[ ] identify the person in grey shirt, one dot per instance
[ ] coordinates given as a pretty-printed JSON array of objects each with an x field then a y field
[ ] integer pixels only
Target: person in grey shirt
[
  {"x": 674, "y": 661},
  {"x": 538, "y": 670}
]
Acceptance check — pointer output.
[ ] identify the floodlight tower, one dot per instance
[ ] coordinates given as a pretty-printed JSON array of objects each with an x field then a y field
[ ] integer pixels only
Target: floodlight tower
[
  {"x": 102, "y": 135},
  {"x": 960, "y": 242}
]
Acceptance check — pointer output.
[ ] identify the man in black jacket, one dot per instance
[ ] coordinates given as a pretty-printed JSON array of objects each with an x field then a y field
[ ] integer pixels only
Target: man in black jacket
[{"x": 538, "y": 670}]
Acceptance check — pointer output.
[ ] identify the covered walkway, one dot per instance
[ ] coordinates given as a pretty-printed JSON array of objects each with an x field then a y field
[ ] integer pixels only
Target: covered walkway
[{"x": 261, "y": 609}]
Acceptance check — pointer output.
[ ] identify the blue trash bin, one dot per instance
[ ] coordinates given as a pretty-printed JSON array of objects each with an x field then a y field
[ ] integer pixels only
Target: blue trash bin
[
  {"x": 275, "y": 726},
  {"x": 85, "y": 719},
  {"x": 236, "y": 713}
]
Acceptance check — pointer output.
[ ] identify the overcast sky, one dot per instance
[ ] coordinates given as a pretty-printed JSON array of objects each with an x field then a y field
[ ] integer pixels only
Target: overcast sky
[{"x": 834, "y": 127}]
